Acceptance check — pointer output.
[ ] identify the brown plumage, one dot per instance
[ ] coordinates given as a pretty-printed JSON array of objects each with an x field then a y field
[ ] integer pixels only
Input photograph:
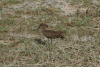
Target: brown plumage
[{"x": 50, "y": 33}]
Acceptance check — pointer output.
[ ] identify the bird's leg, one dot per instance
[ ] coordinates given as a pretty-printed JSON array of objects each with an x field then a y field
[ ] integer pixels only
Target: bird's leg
[
  {"x": 51, "y": 41},
  {"x": 50, "y": 50},
  {"x": 48, "y": 42},
  {"x": 59, "y": 40},
  {"x": 50, "y": 45}
]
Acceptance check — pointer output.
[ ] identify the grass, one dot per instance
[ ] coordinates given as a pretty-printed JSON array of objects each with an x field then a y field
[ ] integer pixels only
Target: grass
[
  {"x": 8, "y": 21},
  {"x": 15, "y": 16},
  {"x": 83, "y": 22},
  {"x": 10, "y": 2},
  {"x": 85, "y": 2},
  {"x": 20, "y": 43},
  {"x": 0, "y": 8},
  {"x": 2, "y": 29}
]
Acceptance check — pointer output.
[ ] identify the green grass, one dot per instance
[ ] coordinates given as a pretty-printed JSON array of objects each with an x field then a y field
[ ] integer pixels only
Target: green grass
[
  {"x": 8, "y": 21},
  {"x": 23, "y": 46},
  {"x": 2, "y": 29},
  {"x": 85, "y": 2},
  {"x": 10, "y": 2},
  {"x": 15, "y": 16},
  {"x": 0, "y": 8}
]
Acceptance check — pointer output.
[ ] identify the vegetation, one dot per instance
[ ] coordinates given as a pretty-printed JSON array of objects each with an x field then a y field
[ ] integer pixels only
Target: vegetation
[{"x": 21, "y": 47}]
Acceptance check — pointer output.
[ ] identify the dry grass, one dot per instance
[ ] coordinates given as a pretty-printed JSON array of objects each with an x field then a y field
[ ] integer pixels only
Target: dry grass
[{"x": 21, "y": 47}]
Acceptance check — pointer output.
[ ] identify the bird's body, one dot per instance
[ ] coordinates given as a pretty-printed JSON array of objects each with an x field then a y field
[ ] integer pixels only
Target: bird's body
[{"x": 50, "y": 33}]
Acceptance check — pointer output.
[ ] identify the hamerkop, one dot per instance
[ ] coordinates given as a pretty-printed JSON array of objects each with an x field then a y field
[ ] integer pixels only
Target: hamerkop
[{"x": 50, "y": 33}]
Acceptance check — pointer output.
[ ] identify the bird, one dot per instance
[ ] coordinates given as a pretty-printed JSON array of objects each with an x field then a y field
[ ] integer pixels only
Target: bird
[{"x": 50, "y": 34}]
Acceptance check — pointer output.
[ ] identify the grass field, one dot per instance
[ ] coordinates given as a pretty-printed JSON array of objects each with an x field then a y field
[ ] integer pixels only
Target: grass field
[{"x": 20, "y": 46}]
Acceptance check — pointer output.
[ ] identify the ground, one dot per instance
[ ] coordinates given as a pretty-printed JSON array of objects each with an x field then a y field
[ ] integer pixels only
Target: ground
[{"x": 20, "y": 46}]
